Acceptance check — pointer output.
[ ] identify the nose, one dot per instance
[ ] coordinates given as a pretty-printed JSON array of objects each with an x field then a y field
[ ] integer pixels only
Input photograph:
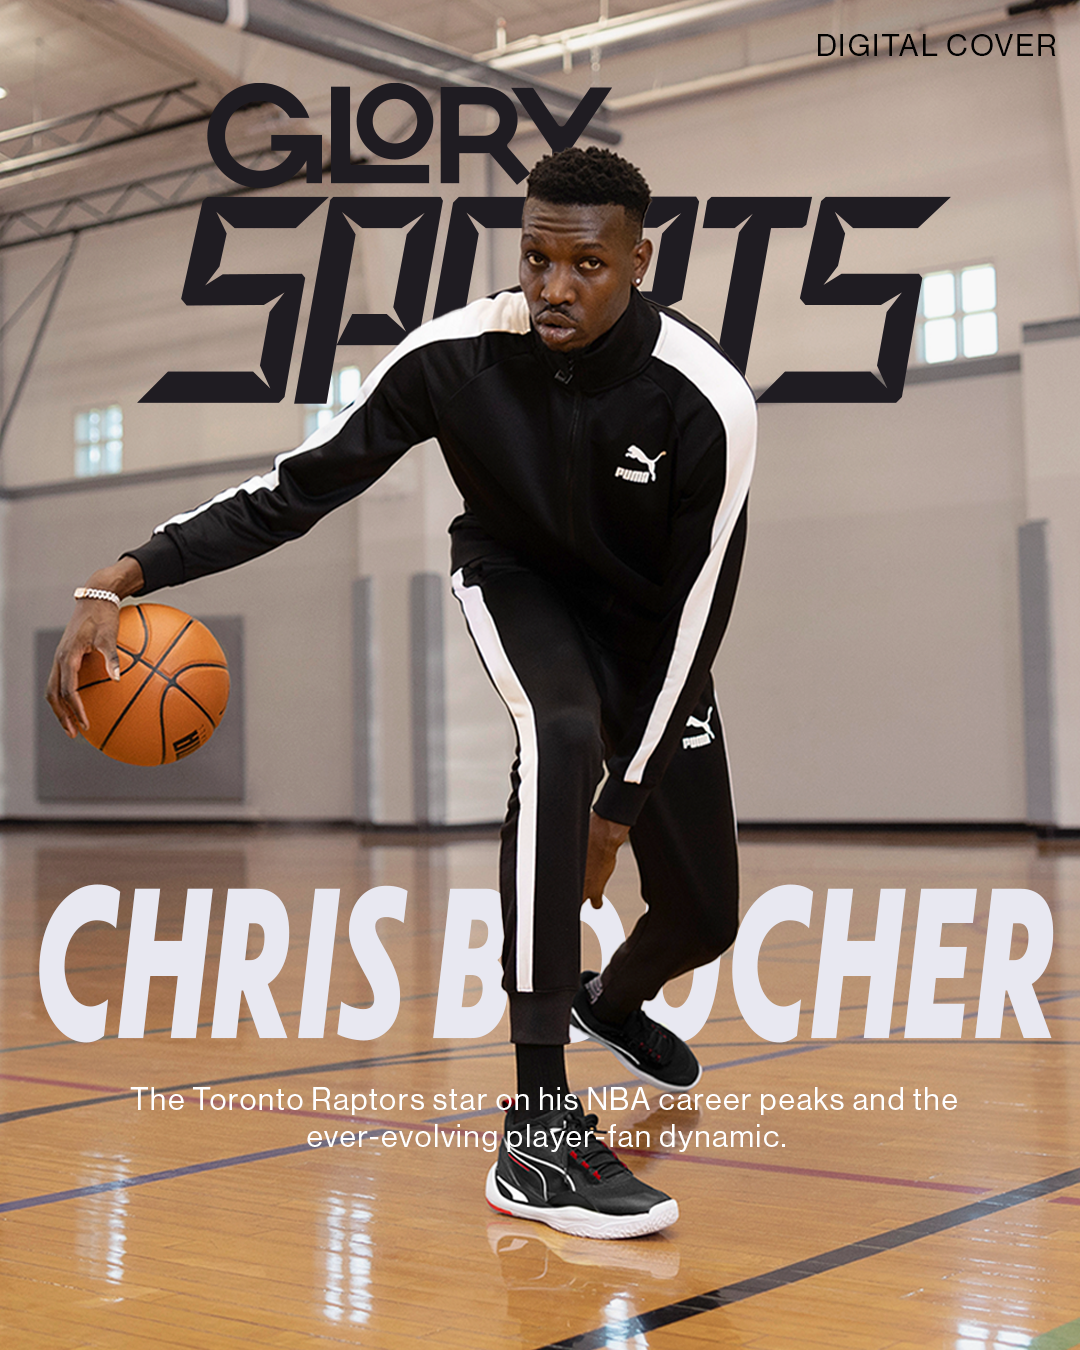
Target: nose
[{"x": 558, "y": 287}]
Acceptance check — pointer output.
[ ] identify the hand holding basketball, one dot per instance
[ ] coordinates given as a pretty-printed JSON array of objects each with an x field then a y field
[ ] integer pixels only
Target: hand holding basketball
[
  {"x": 146, "y": 684},
  {"x": 92, "y": 628},
  {"x": 171, "y": 693}
]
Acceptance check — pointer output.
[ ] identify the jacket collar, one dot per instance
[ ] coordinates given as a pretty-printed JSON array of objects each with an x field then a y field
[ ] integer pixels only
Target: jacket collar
[{"x": 618, "y": 355}]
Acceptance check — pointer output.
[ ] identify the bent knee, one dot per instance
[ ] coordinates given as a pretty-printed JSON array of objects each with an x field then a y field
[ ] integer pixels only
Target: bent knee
[
  {"x": 711, "y": 937},
  {"x": 572, "y": 734}
]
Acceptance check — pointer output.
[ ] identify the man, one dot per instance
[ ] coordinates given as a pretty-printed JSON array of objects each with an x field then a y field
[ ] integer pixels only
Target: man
[{"x": 604, "y": 449}]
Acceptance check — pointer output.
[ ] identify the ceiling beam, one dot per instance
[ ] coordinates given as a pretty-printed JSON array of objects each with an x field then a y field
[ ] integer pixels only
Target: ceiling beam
[
  {"x": 379, "y": 48},
  {"x": 644, "y": 28}
]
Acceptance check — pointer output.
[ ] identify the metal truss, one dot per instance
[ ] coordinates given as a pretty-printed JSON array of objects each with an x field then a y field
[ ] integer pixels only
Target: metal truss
[
  {"x": 131, "y": 119},
  {"x": 128, "y": 201},
  {"x": 57, "y": 274}
]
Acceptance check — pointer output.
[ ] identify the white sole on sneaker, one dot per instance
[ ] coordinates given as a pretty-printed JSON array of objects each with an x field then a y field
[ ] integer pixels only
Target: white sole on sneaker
[
  {"x": 584, "y": 1222},
  {"x": 630, "y": 1064}
]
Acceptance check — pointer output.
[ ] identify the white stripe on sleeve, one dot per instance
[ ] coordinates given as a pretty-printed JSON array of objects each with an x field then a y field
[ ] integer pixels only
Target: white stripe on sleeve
[{"x": 507, "y": 312}]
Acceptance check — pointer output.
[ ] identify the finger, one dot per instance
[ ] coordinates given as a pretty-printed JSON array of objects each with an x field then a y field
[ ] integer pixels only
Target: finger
[
  {"x": 596, "y": 904},
  {"x": 60, "y": 712},
  {"x": 55, "y": 702},
  {"x": 105, "y": 643},
  {"x": 68, "y": 671},
  {"x": 75, "y": 703},
  {"x": 112, "y": 661}
]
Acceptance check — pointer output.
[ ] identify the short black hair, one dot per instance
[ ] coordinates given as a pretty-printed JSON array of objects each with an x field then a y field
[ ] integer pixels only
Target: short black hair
[{"x": 590, "y": 177}]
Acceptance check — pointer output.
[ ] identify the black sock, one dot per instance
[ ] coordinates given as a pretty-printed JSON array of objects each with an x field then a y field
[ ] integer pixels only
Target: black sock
[{"x": 541, "y": 1079}]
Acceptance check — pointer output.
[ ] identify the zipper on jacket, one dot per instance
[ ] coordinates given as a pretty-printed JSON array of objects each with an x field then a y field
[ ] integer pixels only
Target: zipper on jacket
[{"x": 574, "y": 469}]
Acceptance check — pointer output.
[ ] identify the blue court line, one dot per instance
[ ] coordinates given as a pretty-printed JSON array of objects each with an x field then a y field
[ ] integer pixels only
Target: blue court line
[{"x": 714, "y": 1299}]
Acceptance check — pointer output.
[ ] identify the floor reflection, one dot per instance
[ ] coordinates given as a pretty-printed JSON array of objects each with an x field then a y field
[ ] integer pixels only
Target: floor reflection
[
  {"x": 536, "y": 1263},
  {"x": 103, "y": 1223},
  {"x": 347, "y": 1296}
]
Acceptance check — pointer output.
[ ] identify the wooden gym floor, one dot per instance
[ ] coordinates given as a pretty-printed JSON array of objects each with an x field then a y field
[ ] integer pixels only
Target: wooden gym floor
[{"x": 866, "y": 1230}]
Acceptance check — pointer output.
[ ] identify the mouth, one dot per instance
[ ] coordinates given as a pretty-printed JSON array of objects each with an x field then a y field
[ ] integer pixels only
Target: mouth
[{"x": 554, "y": 327}]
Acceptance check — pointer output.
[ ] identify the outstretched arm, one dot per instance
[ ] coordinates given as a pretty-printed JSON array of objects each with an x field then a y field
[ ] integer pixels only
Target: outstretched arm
[
  {"x": 92, "y": 627},
  {"x": 331, "y": 467}
]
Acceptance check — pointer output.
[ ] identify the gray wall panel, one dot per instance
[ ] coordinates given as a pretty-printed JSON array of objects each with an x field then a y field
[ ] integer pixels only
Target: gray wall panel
[{"x": 73, "y": 771}]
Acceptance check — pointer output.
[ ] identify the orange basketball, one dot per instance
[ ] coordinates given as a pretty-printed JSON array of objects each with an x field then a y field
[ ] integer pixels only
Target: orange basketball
[{"x": 172, "y": 690}]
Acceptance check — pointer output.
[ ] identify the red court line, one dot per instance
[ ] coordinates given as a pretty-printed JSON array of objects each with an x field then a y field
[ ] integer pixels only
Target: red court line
[
  {"x": 60, "y": 1082},
  {"x": 808, "y": 1172},
  {"x": 633, "y": 1152},
  {"x": 258, "y": 1110}
]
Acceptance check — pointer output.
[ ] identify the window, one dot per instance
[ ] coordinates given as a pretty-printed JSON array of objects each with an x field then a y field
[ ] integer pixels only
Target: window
[
  {"x": 344, "y": 389},
  {"x": 957, "y": 318},
  {"x": 99, "y": 441}
]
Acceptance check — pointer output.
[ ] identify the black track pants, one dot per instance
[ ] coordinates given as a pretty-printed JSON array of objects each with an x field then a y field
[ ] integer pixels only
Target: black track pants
[{"x": 567, "y": 696}]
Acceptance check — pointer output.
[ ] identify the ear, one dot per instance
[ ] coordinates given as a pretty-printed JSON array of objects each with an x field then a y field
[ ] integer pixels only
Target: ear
[{"x": 643, "y": 251}]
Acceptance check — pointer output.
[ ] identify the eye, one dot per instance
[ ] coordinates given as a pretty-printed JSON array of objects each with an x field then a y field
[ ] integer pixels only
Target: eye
[
  {"x": 590, "y": 265},
  {"x": 534, "y": 259}
]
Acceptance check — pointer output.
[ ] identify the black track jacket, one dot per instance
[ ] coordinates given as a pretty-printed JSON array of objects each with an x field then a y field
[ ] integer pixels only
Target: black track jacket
[{"x": 620, "y": 472}]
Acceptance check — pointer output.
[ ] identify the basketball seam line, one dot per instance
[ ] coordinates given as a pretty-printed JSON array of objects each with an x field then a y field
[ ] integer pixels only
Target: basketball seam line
[{"x": 155, "y": 670}]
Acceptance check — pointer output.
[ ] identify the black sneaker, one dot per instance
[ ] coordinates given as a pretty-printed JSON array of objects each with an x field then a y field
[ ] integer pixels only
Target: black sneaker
[
  {"x": 646, "y": 1048},
  {"x": 555, "y": 1169}
]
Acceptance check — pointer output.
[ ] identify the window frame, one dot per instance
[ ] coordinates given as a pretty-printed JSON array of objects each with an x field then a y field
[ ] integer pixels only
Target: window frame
[
  {"x": 956, "y": 316},
  {"x": 98, "y": 456}
]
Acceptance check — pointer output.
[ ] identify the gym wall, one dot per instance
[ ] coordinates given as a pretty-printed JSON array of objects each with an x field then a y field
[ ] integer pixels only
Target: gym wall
[{"x": 873, "y": 669}]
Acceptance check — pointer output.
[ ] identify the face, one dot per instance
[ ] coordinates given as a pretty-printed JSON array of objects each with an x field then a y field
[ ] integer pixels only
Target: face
[{"x": 578, "y": 267}]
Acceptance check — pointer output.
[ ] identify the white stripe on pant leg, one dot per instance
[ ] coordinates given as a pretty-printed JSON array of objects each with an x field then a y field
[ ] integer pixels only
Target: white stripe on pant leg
[
  {"x": 510, "y": 689},
  {"x": 727, "y": 762}
]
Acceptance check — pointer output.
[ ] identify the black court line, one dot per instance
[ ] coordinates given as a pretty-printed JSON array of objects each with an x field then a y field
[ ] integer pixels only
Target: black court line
[
  {"x": 382, "y": 1061},
  {"x": 600, "y": 1337},
  {"x": 497, "y": 1051},
  {"x": 172, "y": 1173},
  {"x": 169, "y": 1174},
  {"x": 167, "y": 1031},
  {"x": 433, "y": 1056}
]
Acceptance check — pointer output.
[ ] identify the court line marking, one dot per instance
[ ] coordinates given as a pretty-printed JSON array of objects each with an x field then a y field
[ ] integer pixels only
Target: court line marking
[
  {"x": 385, "y": 1061},
  {"x": 167, "y": 1031},
  {"x": 434, "y": 1122},
  {"x": 972, "y": 1211},
  {"x": 382, "y": 1061},
  {"x": 169, "y": 1174},
  {"x": 1065, "y": 1337},
  {"x": 600, "y": 1337},
  {"x": 377, "y": 1061},
  {"x": 821, "y": 1173},
  {"x": 405, "y": 998},
  {"x": 459, "y": 1055},
  {"x": 189, "y": 1169}
]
